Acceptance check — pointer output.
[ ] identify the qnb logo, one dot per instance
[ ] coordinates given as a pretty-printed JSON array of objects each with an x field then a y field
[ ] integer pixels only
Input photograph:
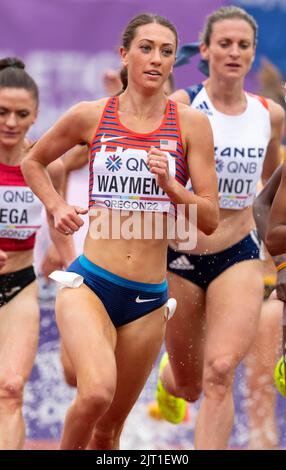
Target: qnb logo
[
  {"x": 219, "y": 165},
  {"x": 113, "y": 163}
]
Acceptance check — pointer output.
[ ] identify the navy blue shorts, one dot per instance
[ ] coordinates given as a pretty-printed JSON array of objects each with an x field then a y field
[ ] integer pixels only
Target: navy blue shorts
[
  {"x": 124, "y": 300},
  {"x": 203, "y": 269}
]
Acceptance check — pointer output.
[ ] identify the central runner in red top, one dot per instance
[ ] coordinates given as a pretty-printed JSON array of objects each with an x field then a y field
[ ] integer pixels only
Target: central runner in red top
[{"x": 112, "y": 322}]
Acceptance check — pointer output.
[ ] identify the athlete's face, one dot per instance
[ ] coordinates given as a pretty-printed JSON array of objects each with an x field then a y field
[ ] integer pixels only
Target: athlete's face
[
  {"x": 231, "y": 50},
  {"x": 151, "y": 56},
  {"x": 18, "y": 111}
]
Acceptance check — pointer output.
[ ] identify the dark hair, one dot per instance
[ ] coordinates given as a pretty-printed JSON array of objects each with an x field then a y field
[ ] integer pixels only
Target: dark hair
[
  {"x": 124, "y": 78},
  {"x": 226, "y": 13},
  {"x": 13, "y": 75},
  {"x": 130, "y": 33}
]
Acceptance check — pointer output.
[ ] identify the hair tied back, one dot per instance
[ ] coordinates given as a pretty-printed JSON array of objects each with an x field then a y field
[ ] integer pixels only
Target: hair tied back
[{"x": 11, "y": 62}]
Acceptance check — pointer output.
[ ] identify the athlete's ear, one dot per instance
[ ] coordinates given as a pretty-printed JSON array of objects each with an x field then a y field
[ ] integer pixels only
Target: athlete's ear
[
  {"x": 123, "y": 54},
  {"x": 204, "y": 50}
]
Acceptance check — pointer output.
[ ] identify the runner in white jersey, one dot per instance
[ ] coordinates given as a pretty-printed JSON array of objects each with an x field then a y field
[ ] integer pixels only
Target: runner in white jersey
[
  {"x": 112, "y": 322},
  {"x": 219, "y": 286}
]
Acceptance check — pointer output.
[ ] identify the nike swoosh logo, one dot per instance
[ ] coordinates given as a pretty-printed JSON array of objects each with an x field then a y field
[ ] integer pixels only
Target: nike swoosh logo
[
  {"x": 140, "y": 301},
  {"x": 108, "y": 139}
]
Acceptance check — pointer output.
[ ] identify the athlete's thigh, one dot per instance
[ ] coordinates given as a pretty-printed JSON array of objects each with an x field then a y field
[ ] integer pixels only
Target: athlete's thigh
[
  {"x": 87, "y": 333},
  {"x": 185, "y": 330},
  {"x": 138, "y": 345},
  {"x": 19, "y": 332},
  {"x": 234, "y": 301}
]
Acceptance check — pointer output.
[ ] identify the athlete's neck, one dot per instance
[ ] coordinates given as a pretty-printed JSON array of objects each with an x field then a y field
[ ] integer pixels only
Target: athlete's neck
[
  {"x": 227, "y": 96},
  {"x": 11, "y": 155},
  {"x": 142, "y": 107}
]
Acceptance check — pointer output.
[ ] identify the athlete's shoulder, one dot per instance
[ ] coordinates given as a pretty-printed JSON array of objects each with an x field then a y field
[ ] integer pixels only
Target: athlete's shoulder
[
  {"x": 259, "y": 99},
  {"x": 180, "y": 96},
  {"x": 86, "y": 107},
  {"x": 84, "y": 115},
  {"x": 275, "y": 109},
  {"x": 192, "y": 121},
  {"x": 187, "y": 95}
]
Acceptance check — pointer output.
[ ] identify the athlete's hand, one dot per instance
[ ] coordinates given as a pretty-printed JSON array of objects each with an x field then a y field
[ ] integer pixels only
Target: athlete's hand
[
  {"x": 3, "y": 259},
  {"x": 157, "y": 161},
  {"x": 67, "y": 219}
]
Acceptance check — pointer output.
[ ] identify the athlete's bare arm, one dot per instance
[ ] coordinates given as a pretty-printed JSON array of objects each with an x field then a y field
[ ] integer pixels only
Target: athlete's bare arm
[
  {"x": 198, "y": 138},
  {"x": 76, "y": 126},
  {"x": 276, "y": 233},
  {"x": 63, "y": 245},
  {"x": 262, "y": 203}
]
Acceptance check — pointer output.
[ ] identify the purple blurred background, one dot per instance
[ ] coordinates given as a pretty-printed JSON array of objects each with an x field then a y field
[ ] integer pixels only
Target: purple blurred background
[{"x": 67, "y": 45}]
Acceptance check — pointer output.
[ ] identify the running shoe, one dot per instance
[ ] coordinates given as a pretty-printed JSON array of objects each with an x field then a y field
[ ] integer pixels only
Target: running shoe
[
  {"x": 172, "y": 409},
  {"x": 279, "y": 377}
]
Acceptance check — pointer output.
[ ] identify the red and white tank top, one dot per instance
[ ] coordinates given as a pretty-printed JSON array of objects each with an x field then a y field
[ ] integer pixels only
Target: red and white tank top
[
  {"x": 119, "y": 176},
  {"x": 20, "y": 211}
]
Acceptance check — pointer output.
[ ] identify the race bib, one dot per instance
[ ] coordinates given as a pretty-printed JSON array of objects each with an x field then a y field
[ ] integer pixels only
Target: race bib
[
  {"x": 122, "y": 180},
  {"x": 238, "y": 170},
  {"x": 20, "y": 212}
]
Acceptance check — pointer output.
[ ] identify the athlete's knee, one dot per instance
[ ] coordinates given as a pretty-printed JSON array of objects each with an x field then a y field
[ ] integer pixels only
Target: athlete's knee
[
  {"x": 190, "y": 390},
  {"x": 11, "y": 390},
  {"x": 218, "y": 376},
  {"x": 95, "y": 400}
]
